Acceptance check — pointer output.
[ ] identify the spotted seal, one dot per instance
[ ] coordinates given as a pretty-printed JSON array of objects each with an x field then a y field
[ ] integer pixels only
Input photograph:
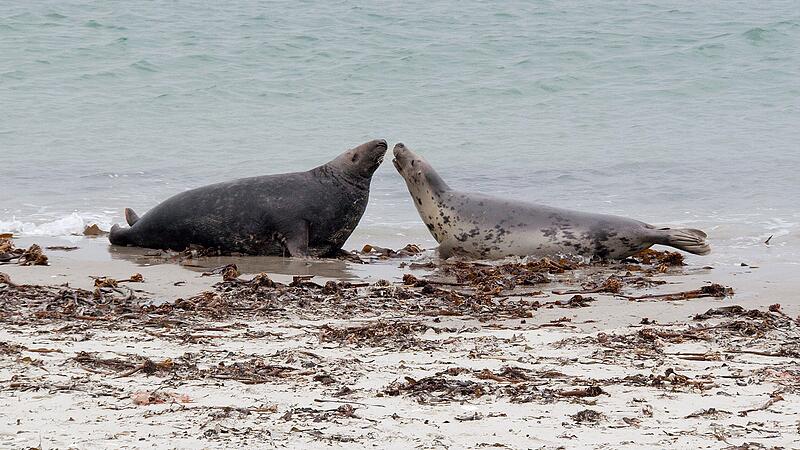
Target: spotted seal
[
  {"x": 294, "y": 214},
  {"x": 482, "y": 226}
]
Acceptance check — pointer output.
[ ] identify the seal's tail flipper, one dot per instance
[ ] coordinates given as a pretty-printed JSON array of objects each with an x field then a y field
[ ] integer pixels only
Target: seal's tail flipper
[
  {"x": 131, "y": 217},
  {"x": 686, "y": 239}
]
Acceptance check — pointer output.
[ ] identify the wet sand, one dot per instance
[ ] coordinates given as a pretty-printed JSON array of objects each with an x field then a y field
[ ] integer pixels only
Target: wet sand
[{"x": 447, "y": 362}]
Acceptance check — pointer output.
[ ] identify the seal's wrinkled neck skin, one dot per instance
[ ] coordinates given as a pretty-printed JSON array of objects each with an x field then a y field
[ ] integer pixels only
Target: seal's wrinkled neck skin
[{"x": 358, "y": 164}]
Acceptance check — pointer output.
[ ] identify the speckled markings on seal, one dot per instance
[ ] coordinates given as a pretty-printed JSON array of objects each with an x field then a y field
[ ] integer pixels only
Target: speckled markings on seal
[
  {"x": 483, "y": 226},
  {"x": 294, "y": 214}
]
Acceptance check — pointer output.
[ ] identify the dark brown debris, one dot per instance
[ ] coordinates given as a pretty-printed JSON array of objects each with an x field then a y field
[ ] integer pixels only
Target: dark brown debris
[
  {"x": 208, "y": 303},
  {"x": 94, "y": 230},
  {"x": 612, "y": 285},
  {"x": 105, "y": 282},
  {"x": 712, "y": 290},
  {"x": 399, "y": 335},
  {"x": 591, "y": 391},
  {"x": 710, "y": 413},
  {"x": 775, "y": 397},
  {"x": 122, "y": 367},
  {"x": 576, "y": 301},
  {"x": 262, "y": 280},
  {"x": 6, "y": 279},
  {"x": 229, "y": 272},
  {"x": 8, "y": 348},
  {"x": 493, "y": 279},
  {"x": 507, "y": 374},
  {"x": 373, "y": 252},
  {"x": 63, "y": 248},
  {"x": 669, "y": 380},
  {"x": 752, "y": 446},
  {"x": 135, "y": 278},
  {"x": 734, "y": 311},
  {"x": 32, "y": 256},
  {"x": 253, "y": 371},
  {"x": 408, "y": 250},
  {"x": 437, "y": 389},
  {"x": 588, "y": 416},
  {"x": 654, "y": 257}
]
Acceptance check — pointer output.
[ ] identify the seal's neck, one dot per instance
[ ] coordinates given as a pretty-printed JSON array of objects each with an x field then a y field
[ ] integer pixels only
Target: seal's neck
[
  {"x": 435, "y": 183},
  {"x": 341, "y": 175},
  {"x": 429, "y": 191}
]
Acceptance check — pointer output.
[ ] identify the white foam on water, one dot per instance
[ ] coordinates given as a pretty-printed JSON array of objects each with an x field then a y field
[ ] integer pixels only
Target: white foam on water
[{"x": 69, "y": 225}]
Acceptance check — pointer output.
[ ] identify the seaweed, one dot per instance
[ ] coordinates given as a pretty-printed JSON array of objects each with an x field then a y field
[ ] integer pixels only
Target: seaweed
[
  {"x": 399, "y": 335},
  {"x": 437, "y": 389},
  {"x": 32, "y": 256},
  {"x": 712, "y": 290},
  {"x": 588, "y": 416}
]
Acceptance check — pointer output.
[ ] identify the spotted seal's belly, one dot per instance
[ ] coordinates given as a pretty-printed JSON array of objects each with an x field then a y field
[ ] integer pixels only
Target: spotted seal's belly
[{"x": 493, "y": 243}]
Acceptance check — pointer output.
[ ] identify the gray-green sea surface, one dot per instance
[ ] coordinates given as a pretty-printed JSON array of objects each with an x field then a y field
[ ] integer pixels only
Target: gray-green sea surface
[{"x": 676, "y": 113}]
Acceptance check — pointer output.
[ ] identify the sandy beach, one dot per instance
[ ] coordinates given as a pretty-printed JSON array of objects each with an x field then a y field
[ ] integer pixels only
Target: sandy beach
[{"x": 406, "y": 352}]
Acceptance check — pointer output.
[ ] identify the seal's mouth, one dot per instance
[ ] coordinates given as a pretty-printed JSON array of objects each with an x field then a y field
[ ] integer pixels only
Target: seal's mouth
[
  {"x": 380, "y": 147},
  {"x": 399, "y": 155}
]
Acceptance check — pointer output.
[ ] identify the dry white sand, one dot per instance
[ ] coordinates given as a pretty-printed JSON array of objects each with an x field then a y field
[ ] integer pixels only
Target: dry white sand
[{"x": 667, "y": 392}]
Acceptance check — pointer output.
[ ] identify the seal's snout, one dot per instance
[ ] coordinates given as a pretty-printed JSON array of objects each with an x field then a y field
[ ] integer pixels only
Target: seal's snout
[
  {"x": 399, "y": 149},
  {"x": 380, "y": 147}
]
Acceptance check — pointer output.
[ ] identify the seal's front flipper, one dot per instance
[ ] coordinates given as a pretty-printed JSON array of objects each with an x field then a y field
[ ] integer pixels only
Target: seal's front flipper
[
  {"x": 296, "y": 241},
  {"x": 131, "y": 217}
]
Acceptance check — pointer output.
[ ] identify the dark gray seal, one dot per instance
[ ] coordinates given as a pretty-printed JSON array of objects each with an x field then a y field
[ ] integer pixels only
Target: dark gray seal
[
  {"x": 295, "y": 214},
  {"x": 481, "y": 226}
]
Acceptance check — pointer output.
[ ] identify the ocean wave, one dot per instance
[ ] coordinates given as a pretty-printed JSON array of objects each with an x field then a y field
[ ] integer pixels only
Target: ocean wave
[
  {"x": 145, "y": 66},
  {"x": 62, "y": 226},
  {"x": 769, "y": 32}
]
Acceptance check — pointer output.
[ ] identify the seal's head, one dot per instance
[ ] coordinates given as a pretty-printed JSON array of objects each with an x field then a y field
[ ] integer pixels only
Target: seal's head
[
  {"x": 419, "y": 175},
  {"x": 362, "y": 161}
]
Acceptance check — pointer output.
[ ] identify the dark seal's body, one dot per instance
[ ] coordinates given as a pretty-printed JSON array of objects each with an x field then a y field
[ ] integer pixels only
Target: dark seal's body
[
  {"x": 486, "y": 227},
  {"x": 296, "y": 214}
]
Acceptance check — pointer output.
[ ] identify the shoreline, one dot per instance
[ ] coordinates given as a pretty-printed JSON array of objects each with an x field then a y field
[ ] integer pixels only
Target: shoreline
[
  {"x": 457, "y": 356},
  {"x": 757, "y": 279}
]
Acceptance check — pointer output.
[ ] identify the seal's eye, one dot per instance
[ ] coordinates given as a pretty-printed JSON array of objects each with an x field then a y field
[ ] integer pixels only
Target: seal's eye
[
  {"x": 412, "y": 162},
  {"x": 355, "y": 157}
]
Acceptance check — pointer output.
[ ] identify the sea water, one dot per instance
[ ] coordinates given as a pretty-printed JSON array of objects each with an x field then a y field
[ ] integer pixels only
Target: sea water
[{"x": 676, "y": 113}]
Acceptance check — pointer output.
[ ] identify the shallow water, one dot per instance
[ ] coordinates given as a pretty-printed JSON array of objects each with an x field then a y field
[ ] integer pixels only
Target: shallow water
[{"x": 680, "y": 115}]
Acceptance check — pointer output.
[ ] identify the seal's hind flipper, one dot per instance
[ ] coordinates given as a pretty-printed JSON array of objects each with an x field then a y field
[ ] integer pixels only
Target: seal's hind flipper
[
  {"x": 686, "y": 239},
  {"x": 131, "y": 217}
]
